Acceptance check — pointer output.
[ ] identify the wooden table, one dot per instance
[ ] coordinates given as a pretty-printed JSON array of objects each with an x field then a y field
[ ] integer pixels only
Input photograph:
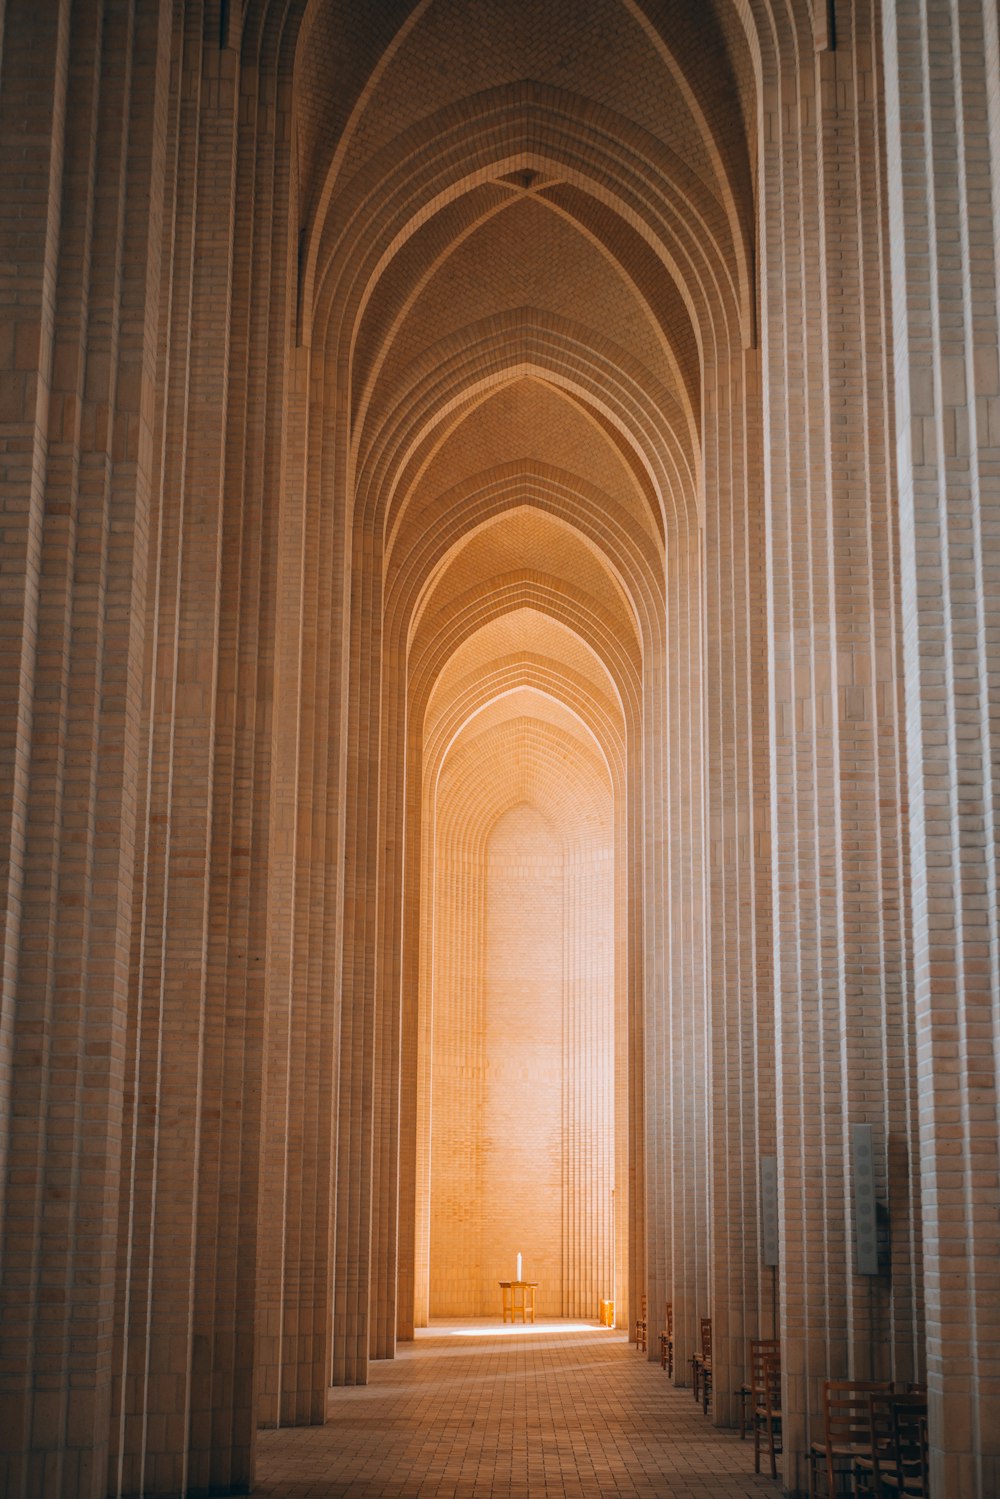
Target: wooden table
[{"x": 518, "y": 1296}]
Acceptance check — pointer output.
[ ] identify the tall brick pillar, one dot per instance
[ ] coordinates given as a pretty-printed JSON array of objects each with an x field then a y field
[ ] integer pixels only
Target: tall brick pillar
[
  {"x": 184, "y": 1416},
  {"x": 82, "y": 135},
  {"x": 943, "y": 127},
  {"x": 739, "y": 1049},
  {"x": 844, "y": 1039}
]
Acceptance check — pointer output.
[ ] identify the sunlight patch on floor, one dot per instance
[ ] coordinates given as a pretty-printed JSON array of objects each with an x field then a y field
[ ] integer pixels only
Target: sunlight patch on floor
[{"x": 501, "y": 1330}]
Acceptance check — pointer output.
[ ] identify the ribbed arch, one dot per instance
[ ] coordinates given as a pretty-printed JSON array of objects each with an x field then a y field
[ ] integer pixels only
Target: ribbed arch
[
  {"x": 648, "y": 424},
  {"x": 613, "y": 237},
  {"x": 527, "y": 346},
  {"x": 417, "y": 495},
  {"x": 516, "y": 128},
  {"x": 728, "y": 152},
  {"x": 485, "y": 498},
  {"x": 573, "y": 788},
  {"x": 637, "y": 263},
  {"x": 498, "y": 681},
  {"x": 523, "y": 591},
  {"x": 519, "y": 697},
  {"x": 276, "y": 31},
  {"x": 370, "y": 82},
  {"x": 417, "y": 553},
  {"x": 681, "y": 54},
  {"x": 434, "y": 585}
]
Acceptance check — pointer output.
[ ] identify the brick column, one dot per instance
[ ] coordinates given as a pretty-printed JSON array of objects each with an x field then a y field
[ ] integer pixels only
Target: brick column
[
  {"x": 844, "y": 1020},
  {"x": 676, "y": 1119},
  {"x": 86, "y": 373},
  {"x": 943, "y": 126},
  {"x": 186, "y": 1418},
  {"x": 740, "y": 1057}
]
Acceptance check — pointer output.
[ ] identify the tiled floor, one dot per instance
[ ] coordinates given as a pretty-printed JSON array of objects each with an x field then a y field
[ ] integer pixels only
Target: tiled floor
[{"x": 470, "y": 1410}]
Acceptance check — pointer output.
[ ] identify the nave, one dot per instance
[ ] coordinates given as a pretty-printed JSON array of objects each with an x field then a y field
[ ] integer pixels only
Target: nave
[
  {"x": 499, "y": 717},
  {"x": 471, "y": 1410}
]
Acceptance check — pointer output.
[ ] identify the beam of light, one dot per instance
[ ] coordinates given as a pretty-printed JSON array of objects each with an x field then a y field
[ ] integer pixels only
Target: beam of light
[{"x": 505, "y": 1330}]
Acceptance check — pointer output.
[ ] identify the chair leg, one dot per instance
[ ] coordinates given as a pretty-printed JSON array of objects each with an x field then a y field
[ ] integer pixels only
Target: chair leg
[{"x": 812, "y": 1475}]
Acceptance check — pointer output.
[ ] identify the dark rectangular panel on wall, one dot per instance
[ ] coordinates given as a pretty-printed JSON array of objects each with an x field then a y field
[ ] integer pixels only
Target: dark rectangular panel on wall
[
  {"x": 865, "y": 1222},
  {"x": 769, "y": 1209}
]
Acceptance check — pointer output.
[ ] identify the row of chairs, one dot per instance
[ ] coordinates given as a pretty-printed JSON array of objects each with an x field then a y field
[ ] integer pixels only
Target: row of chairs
[
  {"x": 874, "y": 1441},
  {"x": 666, "y": 1335},
  {"x": 762, "y": 1396},
  {"x": 874, "y": 1436},
  {"x": 701, "y": 1362}
]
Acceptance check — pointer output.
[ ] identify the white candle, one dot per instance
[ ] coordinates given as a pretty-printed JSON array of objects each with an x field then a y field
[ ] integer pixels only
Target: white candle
[{"x": 519, "y": 1267}]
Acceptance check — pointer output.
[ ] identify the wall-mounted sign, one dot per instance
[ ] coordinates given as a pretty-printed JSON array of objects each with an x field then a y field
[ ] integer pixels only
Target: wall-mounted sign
[
  {"x": 769, "y": 1209},
  {"x": 865, "y": 1217}
]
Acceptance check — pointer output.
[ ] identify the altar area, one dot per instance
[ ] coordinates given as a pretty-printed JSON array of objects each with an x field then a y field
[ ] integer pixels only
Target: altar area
[{"x": 518, "y": 1296}]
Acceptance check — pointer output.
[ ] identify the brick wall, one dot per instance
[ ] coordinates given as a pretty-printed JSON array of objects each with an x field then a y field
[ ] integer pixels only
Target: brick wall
[{"x": 520, "y": 1126}]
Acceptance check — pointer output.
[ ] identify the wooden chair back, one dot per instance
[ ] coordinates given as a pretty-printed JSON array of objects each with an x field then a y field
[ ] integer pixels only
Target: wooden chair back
[
  {"x": 667, "y": 1339},
  {"x": 846, "y": 1424},
  {"x": 870, "y": 1468},
  {"x": 704, "y": 1362},
  {"x": 640, "y": 1326},
  {"x": 701, "y": 1366},
  {"x": 767, "y": 1412},
  {"x": 761, "y": 1349},
  {"x": 847, "y": 1412},
  {"x": 909, "y": 1443}
]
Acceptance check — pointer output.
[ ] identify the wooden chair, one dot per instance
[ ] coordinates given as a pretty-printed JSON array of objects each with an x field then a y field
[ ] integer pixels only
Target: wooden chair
[
  {"x": 905, "y": 1473},
  {"x": 767, "y": 1412},
  {"x": 695, "y": 1362},
  {"x": 897, "y": 1463},
  {"x": 667, "y": 1340},
  {"x": 751, "y": 1394},
  {"x": 846, "y": 1431},
  {"x": 869, "y": 1467},
  {"x": 640, "y": 1327},
  {"x": 701, "y": 1367}
]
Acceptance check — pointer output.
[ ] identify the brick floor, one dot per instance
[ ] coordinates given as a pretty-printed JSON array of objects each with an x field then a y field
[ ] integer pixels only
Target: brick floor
[{"x": 562, "y": 1409}]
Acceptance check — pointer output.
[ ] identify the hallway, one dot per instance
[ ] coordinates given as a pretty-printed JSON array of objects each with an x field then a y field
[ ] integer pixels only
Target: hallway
[
  {"x": 499, "y": 736},
  {"x": 567, "y": 1410}
]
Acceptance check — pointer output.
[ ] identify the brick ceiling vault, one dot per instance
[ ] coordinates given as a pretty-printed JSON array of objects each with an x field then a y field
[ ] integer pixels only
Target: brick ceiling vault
[
  {"x": 519, "y": 275},
  {"x": 520, "y": 271}
]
